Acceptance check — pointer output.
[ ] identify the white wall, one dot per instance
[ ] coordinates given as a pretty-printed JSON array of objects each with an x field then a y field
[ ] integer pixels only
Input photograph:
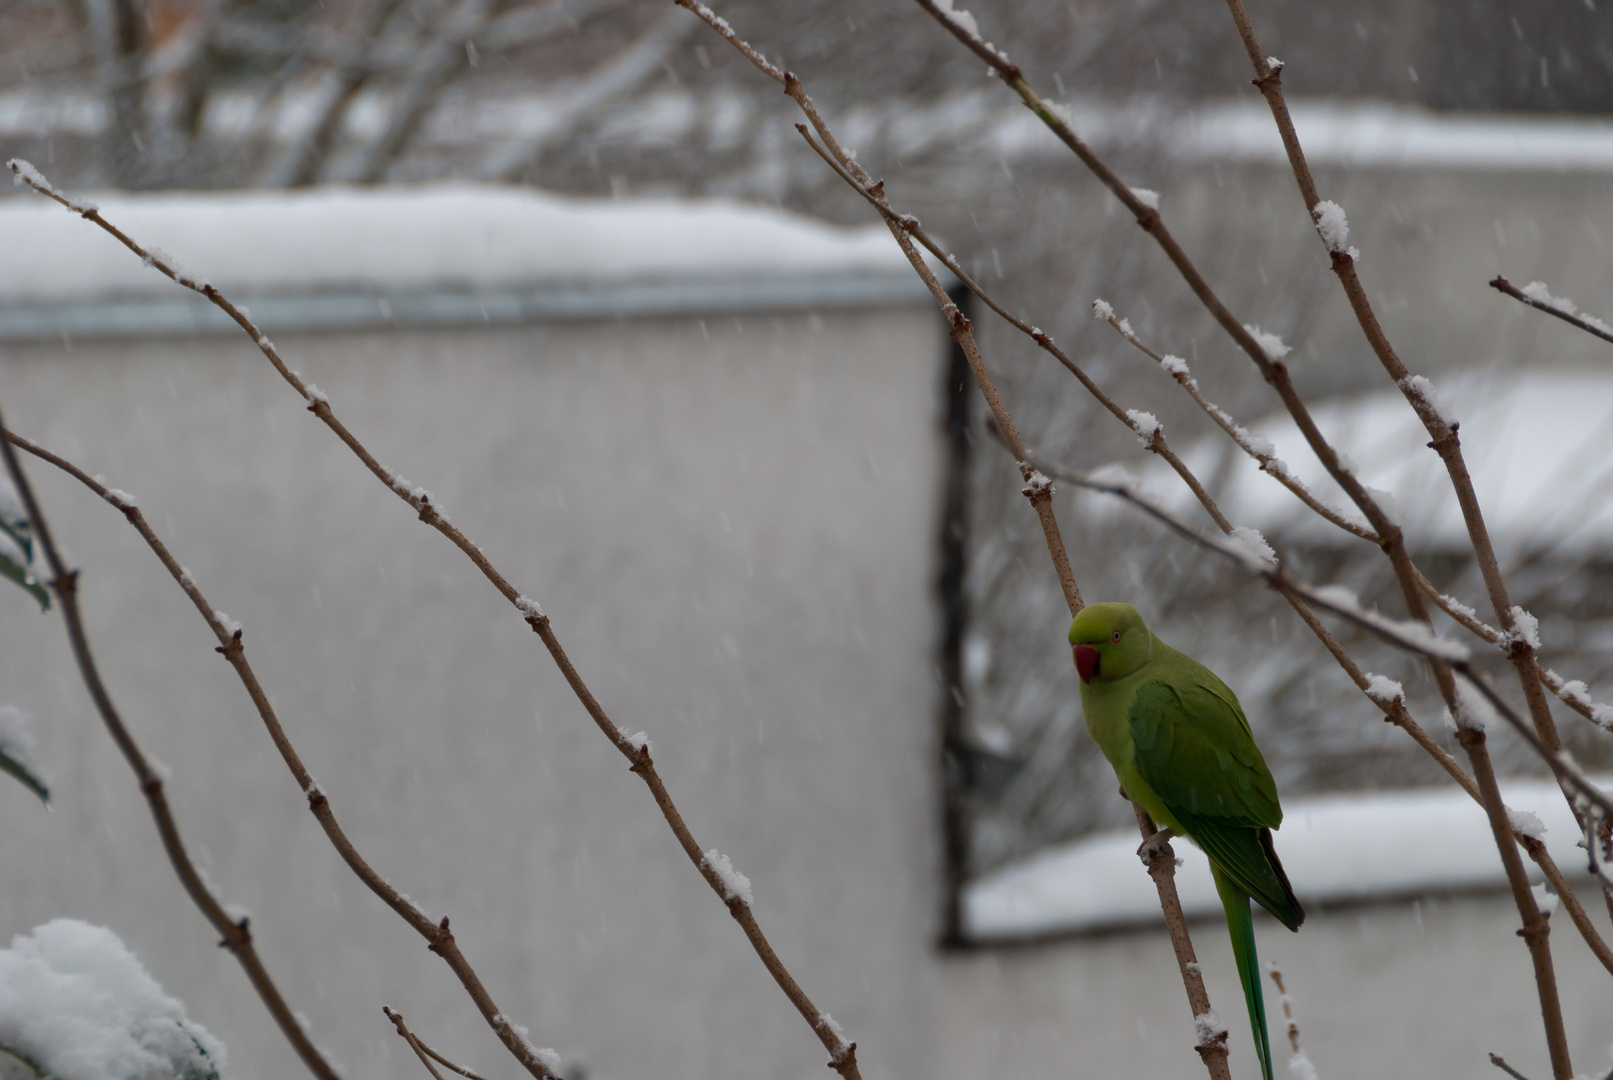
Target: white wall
[{"x": 735, "y": 539}]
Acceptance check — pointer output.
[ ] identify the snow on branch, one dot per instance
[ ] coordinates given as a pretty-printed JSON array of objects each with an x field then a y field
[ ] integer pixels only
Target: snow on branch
[
  {"x": 1537, "y": 296},
  {"x": 1426, "y": 400},
  {"x": 735, "y": 886},
  {"x": 1146, "y": 427},
  {"x": 24, "y": 173},
  {"x": 1334, "y": 228},
  {"x": 1257, "y": 447},
  {"x": 1270, "y": 344}
]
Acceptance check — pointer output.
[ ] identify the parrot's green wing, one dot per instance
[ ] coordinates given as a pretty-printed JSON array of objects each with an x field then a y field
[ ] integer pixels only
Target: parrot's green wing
[{"x": 1194, "y": 748}]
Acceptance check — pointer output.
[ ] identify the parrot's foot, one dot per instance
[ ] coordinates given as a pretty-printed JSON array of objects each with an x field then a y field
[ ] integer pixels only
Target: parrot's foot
[{"x": 1159, "y": 842}]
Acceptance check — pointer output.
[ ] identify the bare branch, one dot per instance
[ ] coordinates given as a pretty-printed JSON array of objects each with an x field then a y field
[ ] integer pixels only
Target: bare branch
[
  {"x": 235, "y": 931},
  {"x": 1253, "y": 445},
  {"x": 1537, "y": 298},
  {"x": 634, "y": 747},
  {"x": 424, "y": 1052},
  {"x": 1501, "y": 1063},
  {"x": 413, "y": 1043},
  {"x": 233, "y": 648}
]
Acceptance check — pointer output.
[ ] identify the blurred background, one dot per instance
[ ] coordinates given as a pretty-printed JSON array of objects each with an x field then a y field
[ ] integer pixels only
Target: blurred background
[{"x": 1464, "y": 138}]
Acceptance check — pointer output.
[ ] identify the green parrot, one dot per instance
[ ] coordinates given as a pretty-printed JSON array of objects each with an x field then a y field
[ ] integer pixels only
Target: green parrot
[{"x": 1183, "y": 751}]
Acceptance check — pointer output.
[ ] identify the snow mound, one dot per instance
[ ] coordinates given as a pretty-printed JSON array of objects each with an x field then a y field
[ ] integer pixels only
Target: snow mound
[{"x": 77, "y": 1005}]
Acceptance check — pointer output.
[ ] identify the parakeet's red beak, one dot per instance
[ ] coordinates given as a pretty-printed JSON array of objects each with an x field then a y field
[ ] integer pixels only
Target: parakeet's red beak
[{"x": 1086, "y": 661}]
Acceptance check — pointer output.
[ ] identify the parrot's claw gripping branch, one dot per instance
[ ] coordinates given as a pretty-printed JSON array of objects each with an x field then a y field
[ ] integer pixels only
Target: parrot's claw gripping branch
[{"x": 1158, "y": 844}]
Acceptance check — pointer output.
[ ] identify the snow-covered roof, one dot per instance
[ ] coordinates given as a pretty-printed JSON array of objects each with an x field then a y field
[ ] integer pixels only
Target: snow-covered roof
[
  {"x": 1335, "y": 849},
  {"x": 523, "y": 251},
  {"x": 1537, "y": 443}
]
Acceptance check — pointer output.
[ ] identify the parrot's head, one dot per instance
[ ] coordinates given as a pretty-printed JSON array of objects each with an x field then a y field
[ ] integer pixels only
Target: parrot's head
[{"x": 1109, "y": 641}]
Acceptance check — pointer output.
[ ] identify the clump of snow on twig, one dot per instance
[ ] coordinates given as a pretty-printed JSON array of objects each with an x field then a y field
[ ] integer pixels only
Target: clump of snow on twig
[
  {"x": 832, "y": 1025},
  {"x": 1537, "y": 291},
  {"x": 1269, "y": 343},
  {"x": 1102, "y": 309},
  {"x": 1208, "y": 1027},
  {"x": 1300, "y": 1067},
  {"x": 1525, "y": 628},
  {"x": 735, "y": 886},
  {"x": 547, "y": 1057},
  {"x": 1144, "y": 424},
  {"x": 1387, "y": 503},
  {"x": 161, "y": 260},
  {"x": 315, "y": 395},
  {"x": 1384, "y": 690},
  {"x": 410, "y": 491},
  {"x": 1176, "y": 366},
  {"x": 80, "y": 1006},
  {"x": 1576, "y": 692},
  {"x": 1334, "y": 228},
  {"x": 230, "y": 626},
  {"x": 638, "y": 740},
  {"x": 1038, "y": 484},
  {"x": 1473, "y": 710},
  {"x": 1252, "y": 542},
  {"x": 1526, "y": 823},
  {"x": 24, "y": 173},
  {"x": 966, "y": 22},
  {"x": 1422, "y": 393},
  {"x": 1545, "y": 899},
  {"x": 1147, "y": 196},
  {"x": 1458, "y": 607},
  {"x": 528, "y": 607},
  {"x": 120, "y": 499},
  {"x": 1409, "y": 632}
]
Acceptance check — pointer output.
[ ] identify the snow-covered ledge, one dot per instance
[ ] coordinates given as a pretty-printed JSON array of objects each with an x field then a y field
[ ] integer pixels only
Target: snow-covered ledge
[
  {"x": 433, "y": 254},
  {"x": 1347, "y": 848}
]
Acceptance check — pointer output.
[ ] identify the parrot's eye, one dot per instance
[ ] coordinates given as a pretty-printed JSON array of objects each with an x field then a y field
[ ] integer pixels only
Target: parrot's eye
[{"x": 1115, "y": 636}]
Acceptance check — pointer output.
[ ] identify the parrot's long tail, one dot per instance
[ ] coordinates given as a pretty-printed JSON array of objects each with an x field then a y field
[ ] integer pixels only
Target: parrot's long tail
[{"x": 1241, "y": 925}]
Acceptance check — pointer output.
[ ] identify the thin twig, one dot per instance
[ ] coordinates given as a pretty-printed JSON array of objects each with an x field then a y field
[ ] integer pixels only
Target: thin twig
[
  {"x": 1501, "y": 284},
  {"x": 233, "y": 648},
  {"x": 1288, "y": 1008},
  {"x": 1501, "y": 1063},
  {"x": 413, "y": 1043},
  {"x": 1264, "y": 455},
  {"x": 235, "y": 931},
  {"x": 425, "y": 1052},
  {"x": 634, "y": 747}
]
